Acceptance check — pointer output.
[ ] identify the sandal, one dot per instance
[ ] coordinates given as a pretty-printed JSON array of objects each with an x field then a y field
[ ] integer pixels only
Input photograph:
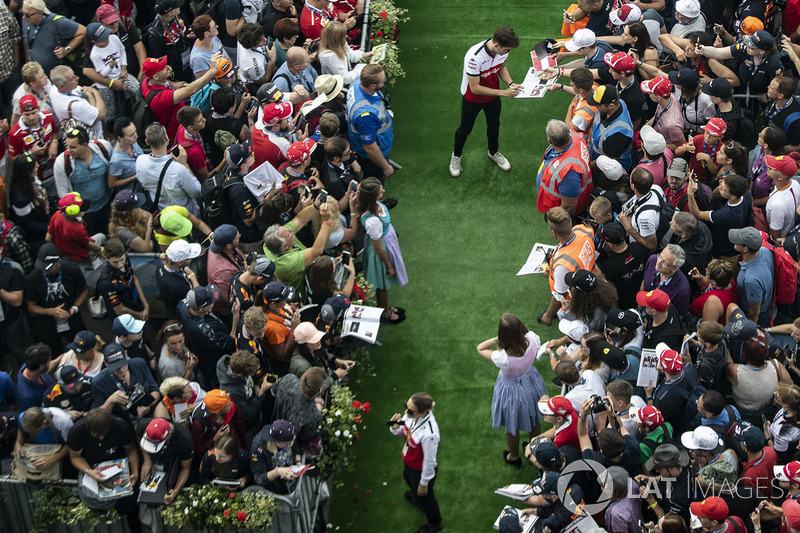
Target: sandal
[
  {"x": 516, "y": 462},
  {"x": 389, "y": 320},
  {"x": 399, "y": 311}
]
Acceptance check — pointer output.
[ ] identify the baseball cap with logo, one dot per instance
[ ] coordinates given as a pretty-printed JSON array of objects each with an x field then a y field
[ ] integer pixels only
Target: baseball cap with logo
[
  {"x": 274, "y": 113},
  {"x": 656, "y": 299},
  {"x": 603, "y": 95},
  {"x": 275, "y": 291},
  {"x": 333, "y": 308},
  {"x": 154, "y": 65},
  {"x": 156, "y": 435},
  {"x": 200, "y": 297},
  {"x": 739, "y": 327},
  {"x": 97, "y": 32},
  {"x": 648, "y": 416},
  {"x": 48, "y": 256},
  {"x": 180, "y": 250},
  {"x": 715, "y": 126},
  {"x": 546, "y": 485},
  {"x": 685, "y": 77},
  {"x": 127, "y": 325},
  {"x": 751, "y": 436},
  {"x": 625, "y": 15},
  {"x": 269, "y": 93},
  {"x": 613, "y": 233},
  {"x": 73, "y": 200},
  {"x": 238, "y": 153},
  {"x": 127, "y": 200},
  {"x": 165, "y": 6},
  {"x": 263, "y": 267},
  {"x": 712, "y": 507},
  {"x": 216, "y": 400},
  {"x": 678, "y": 168},
  {"x": 582, "y": 280},
  {"x": 107, "y": 14},
  {"x": 299, "y": 151},
  {"x": 719, "y": 87},
  {"x": 660, "y": 86},
  {"x": 748, "y": 26},
  {"x": 70, "y": 378},
  {"x": 28, "y": 103},
  {"x": 547, "y": 454},
  {"x": 669, "y": 359},
  {"x": 623, "y": 318},
  {"x": 582, "y": 38},
  {"x": 761, "y": 40},
  {"x": 557, "y": 406},
  {"x": 783, "y": 164},
  {"x": 175, "y": 223},
  {"x": 609, "y": 354},
  {"x": 702, "y": 438},
  {"x": 83, "y": 342},
  {"x": 788, "y": 472},
  {"x": 620, "y": 61},
  {"x": 115, "y": 357},
  {"x": 688, "y": 8},
  {"x": 225, "y": 69},
  {"x": 282, "y": 431}
]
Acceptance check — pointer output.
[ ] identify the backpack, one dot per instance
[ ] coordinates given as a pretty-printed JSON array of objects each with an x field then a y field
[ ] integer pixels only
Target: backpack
[
  {"x": 143, "y": 115},
  {"x": 70, "y": 123},
  {"x": 68, "y": 159},
  {"x": 788, "y": 121},
  {"x": 665, "y": 210},
  {"x": 746, "y": 131},
  {"x": 215, "y": 208},
  {"x": 690, "y": 407},
  {"x": 202, "y": 98},
  {"x": 785, "y": 282}
]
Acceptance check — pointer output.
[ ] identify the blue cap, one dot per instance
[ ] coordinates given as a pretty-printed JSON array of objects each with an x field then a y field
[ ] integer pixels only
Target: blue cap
[
  {"x": 237, "y": 154},
  {"x": 685, "y": 77},
  {"x": 275, "y": 291},
  {"x": 223, "y": 236},
  {"x": 97, "y": 32},
  {"x": 83, "y": 342}
]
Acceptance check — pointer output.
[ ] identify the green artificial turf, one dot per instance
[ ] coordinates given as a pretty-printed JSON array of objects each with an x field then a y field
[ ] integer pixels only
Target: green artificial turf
[{"x": 463, "y": 241}]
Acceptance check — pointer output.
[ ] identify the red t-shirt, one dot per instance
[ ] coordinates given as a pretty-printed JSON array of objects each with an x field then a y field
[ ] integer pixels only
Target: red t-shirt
[
  {"x": 700, "y": 169},
  {"x": 758, "y": 473},
  {"x": 567, "y": 433},
  {"x": 312, "y": 20},
  {"x": 162, "y": 107},
  {"x": 195, "y": 151},
  {"x": 69, "y": 236},
  {"x": 22, "y": 138},
  {"x": 791, "y": 16}
]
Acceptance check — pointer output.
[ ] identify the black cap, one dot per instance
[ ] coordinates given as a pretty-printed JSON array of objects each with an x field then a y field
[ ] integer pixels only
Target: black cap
[
  {"x": 165, "y": 6},
  {"x": 583, "y": 280},
  {"x": 686, "y": 77},
  {"x": 605, "y": 94},
  {"x": 609, "y": 354},
  {"x": 613, "y": 233},
  {"x": 269, "y": 94},
  {"x": 69, "y": 377},
  {"x": 719, "y": 87},
  {"x": 83, "y": 342},
  {"x": 625, "y": 319},
  {"x": 48, "y": 255}
]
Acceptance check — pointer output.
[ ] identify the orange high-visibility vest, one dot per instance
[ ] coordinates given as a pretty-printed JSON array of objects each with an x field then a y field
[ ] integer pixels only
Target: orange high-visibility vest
[
  {"x": 577, "y": 254},
  {"x": 575, "y": 158}
]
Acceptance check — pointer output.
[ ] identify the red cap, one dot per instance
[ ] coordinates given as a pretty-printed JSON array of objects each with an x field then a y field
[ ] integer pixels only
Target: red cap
[
  {"x": 716, "y": 126},
  {"x": 657, "y": 299},
  {"x": 72, "y": 198},
  {"x": 154, "y": 65},
  {"x": 557, "y": 405},
  {"x": 28, "y": 103},
  {"x": 659, "y": 86},
  {"x": 274, "y": 113},
  {"x": 671, "y": 361},
  {"x": 783, "y": 164},
  {"x": 648, "y": 416},
  {"x": 712, "y": 507},
  {"x": 106, "y": 14},
  {"x": 620, "y": 61},
  {"x": 155, "y": 436},
  {"x": 298, "y": 152},
  {"x": 791, "y": 508},
  {"x": 792, "y": 471}
]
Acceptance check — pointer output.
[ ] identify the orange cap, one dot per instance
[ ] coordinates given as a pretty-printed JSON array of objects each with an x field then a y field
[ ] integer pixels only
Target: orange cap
[{"x": 216, "y": 400}]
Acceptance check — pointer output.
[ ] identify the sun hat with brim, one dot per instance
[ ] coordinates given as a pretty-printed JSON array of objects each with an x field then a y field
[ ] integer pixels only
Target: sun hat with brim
[
  {"x": 667, "y": 456},
  {"x": 175, "y": 223},
  {"x": 329, "y": 84}
]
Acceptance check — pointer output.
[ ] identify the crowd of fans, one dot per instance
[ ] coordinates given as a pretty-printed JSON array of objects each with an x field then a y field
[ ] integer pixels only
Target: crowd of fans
[
  {"x": 671, "y": 189},
  {"x": 134, "y": 128}
]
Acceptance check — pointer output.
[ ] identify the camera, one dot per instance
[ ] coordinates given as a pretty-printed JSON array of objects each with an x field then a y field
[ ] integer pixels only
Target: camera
[{"x": 599, "y": 404}]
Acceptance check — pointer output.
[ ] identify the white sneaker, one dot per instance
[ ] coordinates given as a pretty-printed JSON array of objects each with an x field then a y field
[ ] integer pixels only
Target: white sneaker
[
  {"x": 455, "y": 166},
  {"x": 501, "y": 161}
]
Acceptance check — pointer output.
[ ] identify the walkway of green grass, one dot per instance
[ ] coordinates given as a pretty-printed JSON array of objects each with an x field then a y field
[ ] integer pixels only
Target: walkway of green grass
[{"x": 463, "y": 241}]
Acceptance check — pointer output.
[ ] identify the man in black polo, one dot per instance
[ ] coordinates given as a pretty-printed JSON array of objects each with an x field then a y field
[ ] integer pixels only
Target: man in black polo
[{"x": 624, "y": 263}]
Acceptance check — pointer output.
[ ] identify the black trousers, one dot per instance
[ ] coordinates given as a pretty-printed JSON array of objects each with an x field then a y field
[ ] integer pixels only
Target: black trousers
[
  {"x": 469, "y": 112},
  {"x": 427, "y": 502}
]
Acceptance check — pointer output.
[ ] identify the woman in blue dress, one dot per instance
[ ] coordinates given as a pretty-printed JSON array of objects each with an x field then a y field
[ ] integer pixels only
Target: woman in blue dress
[{"x": 383, "y": 262}]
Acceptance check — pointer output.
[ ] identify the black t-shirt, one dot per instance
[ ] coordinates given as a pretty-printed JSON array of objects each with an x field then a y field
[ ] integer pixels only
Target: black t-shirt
[
  {"x": 599, "y": 22},
  {"x": 81, "y": 401},
  {"x": 119, "y": 435},
  {"x": 138, "y": 349},
  {"x": 670, "y": 332},
  {"x": 626, "y": 270},
  {"x": 634, "y": 98},
  {"x": 757, "y": 77},
  {"x": 629, "y": 460},
  {"x": 118, "y": 287},
  {"x": 179, "y": 446},
  {"x": 242, "y": 206},
  {"x": 253, "y": 346},
  {"x": 52, "y": 291},
  {"x": 246, "y": 294},
  {"x": 173, "y": 287},
  {"x": 12, "y": 278},
  {"x": 776, "y": 117},
  {"x": 271, "y": 16},
  {"x": 216, "y": 123},
  {"x": 227, "y": 10},
  {"x": 337, "y": 180}
]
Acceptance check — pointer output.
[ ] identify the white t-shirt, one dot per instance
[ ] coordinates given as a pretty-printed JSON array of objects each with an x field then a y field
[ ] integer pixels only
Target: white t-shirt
[
  {"x": 590, "y": 384},
  {"x": 180, "y": 186},
  {"x": 480, "y": 62},
  {"x": 109, "y": 61},
  {"x": 646, "y": 221},
  {"x": 44, "y": 105},
  {"x": 81, "y": 108},
  {"x": 94, "y": 367},
  {"x": 252, "y": 62},
  {"x": 781, "y": 207}
]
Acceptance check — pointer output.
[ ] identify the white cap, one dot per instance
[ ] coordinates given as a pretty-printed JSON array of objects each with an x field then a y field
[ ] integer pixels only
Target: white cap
[
  {"x": 180, "y": 250},
  {"x": 778, "y": 473},
  {"x": 611, "y": 168},
  {"x": 688, "y": 8},
  {"x": 702, "y": 438},
  {"x": 625, "y": 15},
  {"x": 653, "y": 141},
  {"x": 574, "y": 329},
  {"x": 582, "y": 37}
]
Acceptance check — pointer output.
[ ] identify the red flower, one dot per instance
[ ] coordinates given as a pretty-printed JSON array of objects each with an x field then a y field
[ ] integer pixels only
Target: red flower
[
  {"x": 241, "y": 516},
  {"x": 371, "y": 36},
  {"x": 357, "y": 405},
  {"x": 384, "y": 15},
  {"x": 365, "y": 405},
  {"x": 357, "y": 419},
  {"x": 365, "y": 408},
  {"x": 379, "y": 33},
  {"x": 231, "y": 495},
  {"x": 227, "y": 513}
]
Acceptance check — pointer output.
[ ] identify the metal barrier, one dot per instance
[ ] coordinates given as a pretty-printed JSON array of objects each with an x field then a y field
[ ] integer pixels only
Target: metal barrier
[{"x": 296, "y": 511}]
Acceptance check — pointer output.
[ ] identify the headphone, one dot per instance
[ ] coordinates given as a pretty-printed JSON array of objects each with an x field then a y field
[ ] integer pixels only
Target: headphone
[{"x": 74, "y": 209}]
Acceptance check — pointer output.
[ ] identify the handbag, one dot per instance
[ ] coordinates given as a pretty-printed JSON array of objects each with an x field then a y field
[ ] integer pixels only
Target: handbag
[{"x": 97, "y": 304}]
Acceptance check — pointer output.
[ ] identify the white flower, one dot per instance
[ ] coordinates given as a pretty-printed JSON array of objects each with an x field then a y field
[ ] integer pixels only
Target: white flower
[
  {"x": 186, "y": 511},
  {"x": 346, "y": 433},
  {"x": 338, "y": 433},
  {"x": 216, "y": 500},
  {"x": 338, "y": 412},
  {"x": 330, "y": 421},
  {"x": 194, "y": 503}
]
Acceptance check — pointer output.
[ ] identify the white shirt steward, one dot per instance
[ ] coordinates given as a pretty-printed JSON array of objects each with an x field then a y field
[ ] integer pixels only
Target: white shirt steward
[
  {"x": 480, "y": 62},
  {"x": 419, "y": 455}
]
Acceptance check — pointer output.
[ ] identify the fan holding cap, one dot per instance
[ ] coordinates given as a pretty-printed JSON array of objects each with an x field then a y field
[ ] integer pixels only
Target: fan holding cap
[{"x": 162, "y": 444}]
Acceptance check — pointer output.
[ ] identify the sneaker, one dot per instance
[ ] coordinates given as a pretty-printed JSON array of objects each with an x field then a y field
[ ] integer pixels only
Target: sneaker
[
  {"x": 501, "y": 161},
  {"x": 455, "y": 166}
]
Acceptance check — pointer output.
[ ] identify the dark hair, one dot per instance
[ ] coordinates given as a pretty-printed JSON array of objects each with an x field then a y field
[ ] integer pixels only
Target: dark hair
[
  {"x": 114, "y": 248},
  {"x": 700, "y": 37},
  {"x": 228, "y": 443},
  {"x": 738, "y": 155},
  {"x": 511, "y": 335},
  {"x": 422, "y": 401},
  {"x": 639, "y": 31},
  {"x": 737, "y": 185},
  {"x": 641, "y": 180},
  {"x": 223, "y": 99},
  {"x": 201, "y": 25},
  {"x": 620, "y": 389},
  {"x": 582, "y": 77},
  {"x": 720, "y": 272},
  {"x": 603, "y": 296},
  {"x": 176, "y": 393},
  {"x": 250, "y": 35},
  {"x": 285, "y": 28},
  {"x": 786, "y": 85},
  {"x": 174, "y": 327},
  {"x": 98, "y": 421},
  {"x": 24, "y": 177},
  {"x": 567, "y": 372},
  {"x": 335, "y": 147},
  {"x": 320, "y": 274},
  {"x": 120, "y": 124},
  {"x": 367, "y": 197},
  {"x": 713, "y": 401},
  {"x": 275, "y": 205},
  {"x": 611, "y": 442},
  {"x": 775, "y": 139},
  {"x": 187, "y": 115},
  {"x": 505, "y": 37},
  {"x": 624, "y": 336},
  {"x": 312, "y": 380},
  {"x": 755, "y": 351},
  {"x": 672, "y": 523},
  {"x": 590, "y": 339},
  {"x": 37, "y": 355},
  {"x": 79, "y": 133}
]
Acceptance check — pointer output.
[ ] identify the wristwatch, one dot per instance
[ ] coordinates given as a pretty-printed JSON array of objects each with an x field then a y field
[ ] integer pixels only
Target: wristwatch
[{"x": 68, "y": 48}]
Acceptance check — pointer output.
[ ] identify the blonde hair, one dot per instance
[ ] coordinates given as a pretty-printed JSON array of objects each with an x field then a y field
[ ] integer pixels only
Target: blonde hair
[
  {"x": 30, "y": 70},
  {"x": 255, "y": 319},
  {"x": 600, "y": 206},
  {"x": 559, "y": 220},
  {"x": 334, "y": 38},
  {"x": 789, "y": 394},
  {"x": 172, "y": 383},
  {"x": 132, "y": 220},
  {"x": 336, "y": 223}
]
